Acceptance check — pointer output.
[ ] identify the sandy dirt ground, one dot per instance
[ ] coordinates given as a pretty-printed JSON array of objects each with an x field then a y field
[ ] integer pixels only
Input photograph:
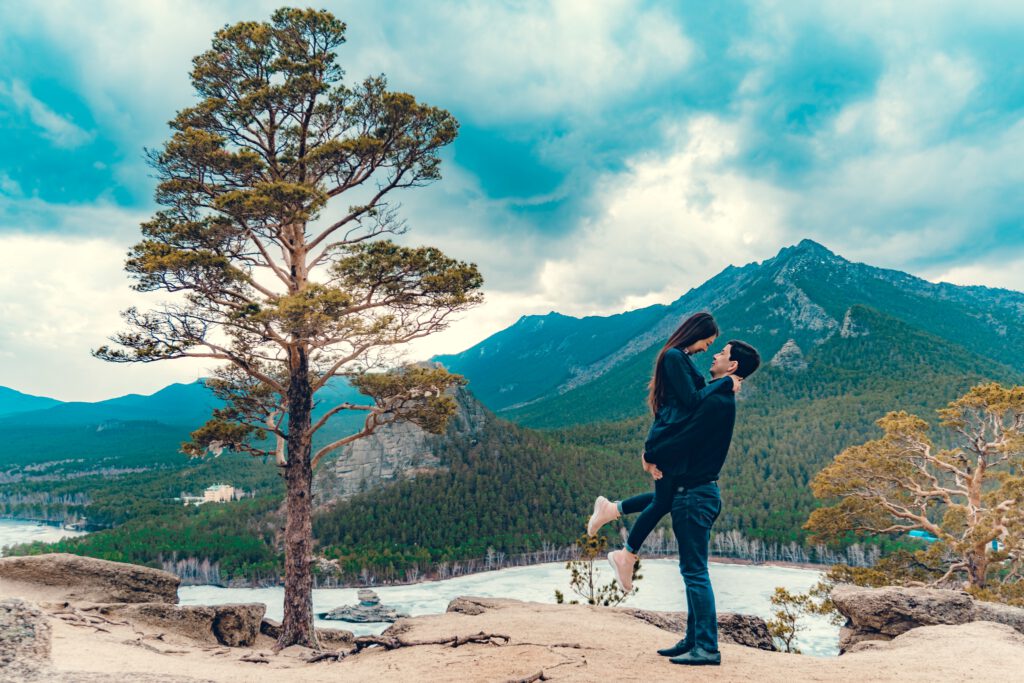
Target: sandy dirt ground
[{"x": 566, "y": 642}]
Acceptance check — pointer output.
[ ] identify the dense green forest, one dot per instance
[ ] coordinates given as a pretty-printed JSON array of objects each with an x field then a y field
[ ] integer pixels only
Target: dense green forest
[
  {"x": 130, "y": 490},
  {"x": 238, "y": 537}
]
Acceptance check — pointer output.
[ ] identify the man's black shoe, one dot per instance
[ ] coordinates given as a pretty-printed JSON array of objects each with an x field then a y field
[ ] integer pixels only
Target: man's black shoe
[
  {"x": 680, "y": 648},
  {"x": 698, "y": 657}
]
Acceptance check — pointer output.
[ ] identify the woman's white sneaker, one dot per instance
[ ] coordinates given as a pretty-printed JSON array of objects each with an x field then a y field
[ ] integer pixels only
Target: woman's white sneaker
[
  {"x": 604, "y": 511},
  {"x": 622, "y": 563}
]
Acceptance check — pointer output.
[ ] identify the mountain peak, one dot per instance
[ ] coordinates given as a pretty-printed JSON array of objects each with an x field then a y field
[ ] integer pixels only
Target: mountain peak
[
  {"x": 806, "y": 253},
  {"x": 807, "y": 244},
  {"x": 808, "y": 247}
]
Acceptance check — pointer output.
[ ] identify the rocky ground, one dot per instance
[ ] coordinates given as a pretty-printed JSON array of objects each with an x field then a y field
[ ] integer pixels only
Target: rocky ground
[{"x": 46, "y": 638}]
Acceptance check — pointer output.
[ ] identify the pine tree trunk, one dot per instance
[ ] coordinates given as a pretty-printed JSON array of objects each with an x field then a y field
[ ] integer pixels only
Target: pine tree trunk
[
  {"x": 977, "y": 567},
  {"x": 297, "y": 628}
]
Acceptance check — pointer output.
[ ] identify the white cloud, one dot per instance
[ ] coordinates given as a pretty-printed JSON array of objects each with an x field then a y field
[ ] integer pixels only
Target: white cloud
[
  {"x": 9, "y": 186},
  {"x": 1003, "y": 274},
  {"x": 915, "y": 104},
  {"x": 666, "y": 224},
  {"x": 59, "y": 298},
  {"x": 512, "y": 61},
  {"x": 899, "y": 206},
  {"x": 59, "y": 130},
  {"x": 500, "y": 310},
  {"x": 33, "y": 215}
]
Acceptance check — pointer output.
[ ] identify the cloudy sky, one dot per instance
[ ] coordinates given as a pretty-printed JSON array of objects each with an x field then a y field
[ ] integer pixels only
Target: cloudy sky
[{"x": 612, "y": 154}]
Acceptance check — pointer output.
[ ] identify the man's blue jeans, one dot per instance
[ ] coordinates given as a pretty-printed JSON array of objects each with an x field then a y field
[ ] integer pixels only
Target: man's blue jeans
[{"x": 693, "y": 512}]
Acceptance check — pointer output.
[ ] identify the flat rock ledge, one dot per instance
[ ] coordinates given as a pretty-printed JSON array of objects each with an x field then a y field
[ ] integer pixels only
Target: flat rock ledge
[
  {"x": 232, "y": 625},
  {"x": 739, "y": 629},
  {"x": 86, "y": 579},
  {"x": 26, "y": 645},
  {"x": 880, "y": 614}
]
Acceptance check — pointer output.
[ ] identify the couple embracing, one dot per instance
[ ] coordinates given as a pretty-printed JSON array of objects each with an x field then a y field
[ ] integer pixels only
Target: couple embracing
[{"x": 684, "y": 452}]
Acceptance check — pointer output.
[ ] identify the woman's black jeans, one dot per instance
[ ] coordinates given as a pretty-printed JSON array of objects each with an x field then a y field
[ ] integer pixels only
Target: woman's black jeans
[{"x": 652, "y": 507}]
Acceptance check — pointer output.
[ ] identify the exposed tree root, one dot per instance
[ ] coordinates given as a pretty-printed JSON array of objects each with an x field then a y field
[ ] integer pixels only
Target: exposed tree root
[
  {"x": 327, "y": 654},
  {"x": 396, "y": 642},
  {"x": 574, "y": 646},
  {"x": 254, "y": 659},
  {"x": 76, "y": 617},
  {"x": 140, "y": 642},
  {"x": 539, "y": 676}
]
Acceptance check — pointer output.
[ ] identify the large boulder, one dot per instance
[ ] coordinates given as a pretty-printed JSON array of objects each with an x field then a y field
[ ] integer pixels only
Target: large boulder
[
  {"x": 884, "y": 613},
  {"x": 231, "y": 625},
  {"x": 238, "y": 625},
  {"x": 740, "y": 629},
  {"x": 61, "y": 576},
  {"x": 24, "y": 640}
]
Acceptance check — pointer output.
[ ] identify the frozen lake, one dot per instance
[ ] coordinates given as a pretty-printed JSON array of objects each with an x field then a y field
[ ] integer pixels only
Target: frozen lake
[
  {"x": 14, "y": 531},
  {"x": 738, "y": 588}
]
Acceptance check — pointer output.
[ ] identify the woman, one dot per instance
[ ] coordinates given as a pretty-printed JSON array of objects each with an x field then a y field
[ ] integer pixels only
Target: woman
[{"x": 676, "y": 388}]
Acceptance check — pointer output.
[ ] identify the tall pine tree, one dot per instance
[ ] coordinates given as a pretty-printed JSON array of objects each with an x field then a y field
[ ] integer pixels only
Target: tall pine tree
[{"x": 273, "y": 240}]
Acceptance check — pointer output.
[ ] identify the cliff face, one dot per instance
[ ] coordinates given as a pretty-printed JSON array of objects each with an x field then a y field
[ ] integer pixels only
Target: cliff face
[{"x": 396, "y": 451}]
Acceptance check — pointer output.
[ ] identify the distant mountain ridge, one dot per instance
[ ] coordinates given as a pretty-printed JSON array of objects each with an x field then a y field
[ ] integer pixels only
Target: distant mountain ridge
[
  {"x": 188, "y": 405},
  {"x": 13, "y": 402},
  {"x": 175, "y": 404},
  {"x": 599, "y": 366}
]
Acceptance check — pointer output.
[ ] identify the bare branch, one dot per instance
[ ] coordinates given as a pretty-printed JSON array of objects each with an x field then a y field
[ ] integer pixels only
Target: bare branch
[{"x": 337, "y": 409}]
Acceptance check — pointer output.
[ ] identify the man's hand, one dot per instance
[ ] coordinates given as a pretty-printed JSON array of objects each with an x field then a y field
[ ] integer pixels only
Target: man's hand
[{"x": 737, "y": 384}]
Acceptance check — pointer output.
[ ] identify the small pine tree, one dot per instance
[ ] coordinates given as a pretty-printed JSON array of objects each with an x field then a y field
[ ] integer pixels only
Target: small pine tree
[
  {"x": 787, "y": 608},
  {"x": 584, "y": 576}
]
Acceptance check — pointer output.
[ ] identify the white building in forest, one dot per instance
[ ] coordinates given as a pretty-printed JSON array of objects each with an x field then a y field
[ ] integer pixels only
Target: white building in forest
[
  {"x": 218, "y": 493},
  {"x": 221, "y": 493}
]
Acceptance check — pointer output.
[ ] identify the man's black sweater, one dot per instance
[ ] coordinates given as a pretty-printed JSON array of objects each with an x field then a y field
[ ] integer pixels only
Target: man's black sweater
[{"x": 693, "y": 451}]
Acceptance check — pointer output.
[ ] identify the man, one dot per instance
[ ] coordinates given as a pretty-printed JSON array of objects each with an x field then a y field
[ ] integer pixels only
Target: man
[{"x": 693, "y": 458}]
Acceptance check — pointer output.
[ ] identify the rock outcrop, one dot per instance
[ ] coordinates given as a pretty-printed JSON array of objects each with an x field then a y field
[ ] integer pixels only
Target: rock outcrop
[
  {"x": 24, "y": 640},
  {"x": 739, "y": 629},
  {"x": 790, "y": 357},
  {"x": 852, "y": 328},
  {"x": 86, "y": 579},
  {"x": 231, "y": 625},
  {"x": 368, "y": 610},
  {"x": 884, "y": 613},
  {"x": 395, "y": 451}
]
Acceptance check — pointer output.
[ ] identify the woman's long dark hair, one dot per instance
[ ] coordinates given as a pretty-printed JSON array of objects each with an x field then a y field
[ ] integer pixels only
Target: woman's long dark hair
[{"x": 698, "y": 326}]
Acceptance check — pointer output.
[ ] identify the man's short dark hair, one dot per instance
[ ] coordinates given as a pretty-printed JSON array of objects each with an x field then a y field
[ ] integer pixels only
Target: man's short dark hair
[{"x": 746, "y": 356}]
